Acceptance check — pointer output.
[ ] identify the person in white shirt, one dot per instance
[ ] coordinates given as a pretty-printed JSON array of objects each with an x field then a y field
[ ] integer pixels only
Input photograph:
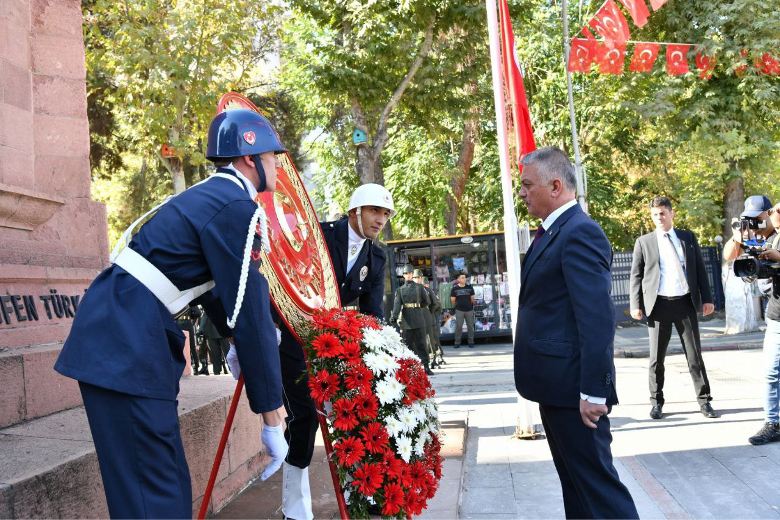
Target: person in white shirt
[{"x": 668, "y": 285}]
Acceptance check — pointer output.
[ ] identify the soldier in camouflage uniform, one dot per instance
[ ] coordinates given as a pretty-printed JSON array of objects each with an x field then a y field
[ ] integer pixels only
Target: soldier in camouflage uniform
[
  {"x": 434, "y": 331},
  {"x": 411, "y": 305}
]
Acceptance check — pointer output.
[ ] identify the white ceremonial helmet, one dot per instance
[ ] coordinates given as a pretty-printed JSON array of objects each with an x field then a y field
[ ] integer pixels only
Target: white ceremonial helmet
[{"x": 371, "y": 195}]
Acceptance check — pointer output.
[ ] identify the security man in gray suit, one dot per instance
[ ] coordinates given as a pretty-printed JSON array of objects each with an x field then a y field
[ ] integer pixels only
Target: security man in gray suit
[
  {"x": 411, "y": 304},
  {"x": 668, "y": 286}
]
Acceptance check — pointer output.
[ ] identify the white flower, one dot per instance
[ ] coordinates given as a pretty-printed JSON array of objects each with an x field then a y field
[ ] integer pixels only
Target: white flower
[
  {"x": 389, "y": 390},
  {"x": 419, "y": 411},
  {"x": 380, "y": 362},
  {"x": 403, "y": 446},
  {"x": 393, "y": 426},
  {"x": 408, "y": 419},
  {"x": 419, "y": 446}
]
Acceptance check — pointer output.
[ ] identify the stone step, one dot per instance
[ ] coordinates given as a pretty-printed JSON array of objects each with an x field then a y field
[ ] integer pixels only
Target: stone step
[{"x": 48, "y": 466}]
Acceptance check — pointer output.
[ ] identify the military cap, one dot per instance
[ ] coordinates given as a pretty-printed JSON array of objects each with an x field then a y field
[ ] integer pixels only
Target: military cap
[
  {"x": 418, "y": 273},
  {"x": 408, "y": 269}
]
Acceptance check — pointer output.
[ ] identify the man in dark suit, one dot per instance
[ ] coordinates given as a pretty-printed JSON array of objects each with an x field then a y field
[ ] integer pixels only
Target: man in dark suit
[
  {"x": 359, "y": 265},
  {"x": 564, "y": 338},
  {"x": 668, "y": 285}
]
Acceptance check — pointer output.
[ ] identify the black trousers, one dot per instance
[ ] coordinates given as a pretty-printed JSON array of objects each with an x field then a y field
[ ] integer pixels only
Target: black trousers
[
  {"x": 302, "y": 422},
  {"x": 681, "y": 314},
  {"x": 415, "y": 340},
  {"x": 140, "y": 453},
  {"x": 583, "y": 458}
]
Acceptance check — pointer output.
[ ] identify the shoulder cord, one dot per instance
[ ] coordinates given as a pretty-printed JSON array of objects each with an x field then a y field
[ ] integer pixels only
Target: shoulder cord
[{"x": 258, "y": 219}]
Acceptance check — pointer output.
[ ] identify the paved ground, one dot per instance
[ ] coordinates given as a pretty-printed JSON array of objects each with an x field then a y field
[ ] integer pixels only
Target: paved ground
[{"x": 683, "y": 466}]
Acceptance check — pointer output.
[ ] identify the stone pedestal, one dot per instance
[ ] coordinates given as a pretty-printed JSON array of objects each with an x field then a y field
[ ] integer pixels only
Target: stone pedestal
[{"x": 53, "y": 237}]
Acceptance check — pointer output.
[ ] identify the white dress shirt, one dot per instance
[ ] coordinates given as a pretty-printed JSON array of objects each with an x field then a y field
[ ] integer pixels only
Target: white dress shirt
[
  {"x": 250, "y": 188},
  {"x": 672, "y": 264},
  {"x": 354, "y": 246}
]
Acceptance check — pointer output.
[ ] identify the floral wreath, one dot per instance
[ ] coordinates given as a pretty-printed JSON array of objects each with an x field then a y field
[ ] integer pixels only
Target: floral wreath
[{"x": 380, "y": 411}]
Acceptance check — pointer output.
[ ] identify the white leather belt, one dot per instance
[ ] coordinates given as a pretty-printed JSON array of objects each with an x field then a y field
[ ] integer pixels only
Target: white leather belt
[
  {"x": 152, "y": 278},
  {"x": 158, "y": 284}
]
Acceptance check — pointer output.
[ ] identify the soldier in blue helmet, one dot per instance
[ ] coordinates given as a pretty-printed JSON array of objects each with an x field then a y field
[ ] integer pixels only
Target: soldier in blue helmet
[{"x": 125, "y": 348}]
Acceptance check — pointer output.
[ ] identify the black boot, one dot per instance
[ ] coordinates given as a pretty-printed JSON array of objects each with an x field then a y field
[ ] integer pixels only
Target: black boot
[{"x": 428, "y": 370}]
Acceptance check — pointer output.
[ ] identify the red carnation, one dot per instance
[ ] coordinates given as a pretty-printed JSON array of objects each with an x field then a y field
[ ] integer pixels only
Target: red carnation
[
  {"x": 394, "y": 499},
  {"x": 375, "y": 437},
  {"x": 323, "y": 386},
  {"x": 368, "y": 478},
  {"x": 349, "y": 451},
  {"x": 350, "y": 350},
  {"x": 358, "y": 377},
  {"x": 327, "y": 345},
  {"x": 366, "y": 405},
  {"x": 345, "y": 417}
]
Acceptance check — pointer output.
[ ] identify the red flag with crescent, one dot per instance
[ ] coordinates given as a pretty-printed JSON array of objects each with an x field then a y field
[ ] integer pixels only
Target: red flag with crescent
[
  {"x": 657, "y": 4},
  {"x": 767, "y": 64},
  {"x": 705, "y": 65},
  {"x": 521, "y": 117},
  {"x": 638, "y": 11},
  {"x": 610, "y": 23},
  {"x": 645, "y": 54},
  {"x": 610, "y": 60},
  {"x": 581, "y": 54},
  {"x": 677, "y": 58}
]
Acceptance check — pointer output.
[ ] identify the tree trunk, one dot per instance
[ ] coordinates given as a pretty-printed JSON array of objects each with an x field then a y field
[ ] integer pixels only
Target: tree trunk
[
  {"x": 734, "y": 197},
  {"x": 177, "y": 174},
  {"x": 460, "y": 173}
]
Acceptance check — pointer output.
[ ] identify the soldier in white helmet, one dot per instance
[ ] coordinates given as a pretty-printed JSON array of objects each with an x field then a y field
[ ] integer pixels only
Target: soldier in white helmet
[{"x": 360, "y": 273}]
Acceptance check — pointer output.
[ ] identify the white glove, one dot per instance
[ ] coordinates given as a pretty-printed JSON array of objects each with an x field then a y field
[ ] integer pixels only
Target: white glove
[
  {"x": 273, "y": 439},
  {"x": 278, "y": 337},
  {"x": 232, "y": 362}
]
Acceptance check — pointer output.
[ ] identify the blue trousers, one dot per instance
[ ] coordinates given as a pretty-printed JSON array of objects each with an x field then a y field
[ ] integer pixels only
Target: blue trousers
[
  {"x": 141, "y": 456},
  {"x": 583, "y": 458},
  {"x": 772, "y": 367}
]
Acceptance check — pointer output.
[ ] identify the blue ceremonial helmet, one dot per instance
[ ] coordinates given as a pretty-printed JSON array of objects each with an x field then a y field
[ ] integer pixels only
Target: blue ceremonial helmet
[{"x": 238, "y": 132}]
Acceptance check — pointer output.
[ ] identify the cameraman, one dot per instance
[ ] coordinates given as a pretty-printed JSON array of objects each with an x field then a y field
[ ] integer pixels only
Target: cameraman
[{"x": 759, "y": 207}]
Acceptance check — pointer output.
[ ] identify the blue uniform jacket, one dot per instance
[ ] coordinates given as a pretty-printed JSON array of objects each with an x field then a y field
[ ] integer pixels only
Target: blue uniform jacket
[
  {"x": 124, "y": 339},
  {"x": 566, "y": 322}
]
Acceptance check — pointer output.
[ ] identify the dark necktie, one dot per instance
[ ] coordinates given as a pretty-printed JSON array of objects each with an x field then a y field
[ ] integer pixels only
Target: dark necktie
[{"x": 537, "y": 236}]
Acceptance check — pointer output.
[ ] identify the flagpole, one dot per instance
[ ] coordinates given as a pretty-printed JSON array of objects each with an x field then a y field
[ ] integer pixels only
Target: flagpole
[
  {"x": 578, "y": 169},
  {"x": 511, "y": 240}
]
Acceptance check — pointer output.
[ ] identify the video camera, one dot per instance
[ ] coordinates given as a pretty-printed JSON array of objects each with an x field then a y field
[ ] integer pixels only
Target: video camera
[{"x": 750, "y": 265}]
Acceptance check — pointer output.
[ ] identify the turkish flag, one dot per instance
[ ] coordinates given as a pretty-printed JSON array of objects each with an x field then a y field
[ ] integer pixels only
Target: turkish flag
[
  {"x": 677, "y": 58},
  {"x": 521, "y": 118},
  {"x": 610, "y": 59},
  {"x": 705, "y": 64},
  {"x": 657, "y": 4},
  {"x": 768, "y": 65},
  {"x": 582, "y": 54},
  {"x": 638, "y": 11},
  {"x": 644, "y": 57},
  {"x": 610, "y": 23}
]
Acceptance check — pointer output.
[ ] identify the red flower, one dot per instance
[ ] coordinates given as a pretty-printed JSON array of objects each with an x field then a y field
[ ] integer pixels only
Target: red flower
[
  {"x": 394, "y": 499},
  {"x": 375, "y": 437},
  {"x": 368, "y": 478},
  {"x": 358, "y": 377},
  {"x": 405, "y": 476},
  {"x": 350, "y": 351},
  {"x": 418, "y": 472},
  {"x": 350, "y": 330},
  {"x": 324, "y": 319},
  {"x": 393, "y": 465},
  {"x": 323, "y": 386},
  {"x": 327, "y": 345},
  {"x": 349, "y": 451},
  {"x": 345, "y": 417},
  {"x": 366, "y": 405},
  {"x": 414, "y": 502}
]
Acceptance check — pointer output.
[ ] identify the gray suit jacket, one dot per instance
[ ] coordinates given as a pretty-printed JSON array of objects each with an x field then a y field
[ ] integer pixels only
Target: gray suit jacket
[{"x": 646, "y": 271}]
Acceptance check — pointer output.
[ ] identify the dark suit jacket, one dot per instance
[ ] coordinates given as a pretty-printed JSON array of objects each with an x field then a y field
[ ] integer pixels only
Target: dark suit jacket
[
  {"x": 646, "y": 271},
  {"x": 369, "y": 291},
  {"x": 566, "y": 323}
]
